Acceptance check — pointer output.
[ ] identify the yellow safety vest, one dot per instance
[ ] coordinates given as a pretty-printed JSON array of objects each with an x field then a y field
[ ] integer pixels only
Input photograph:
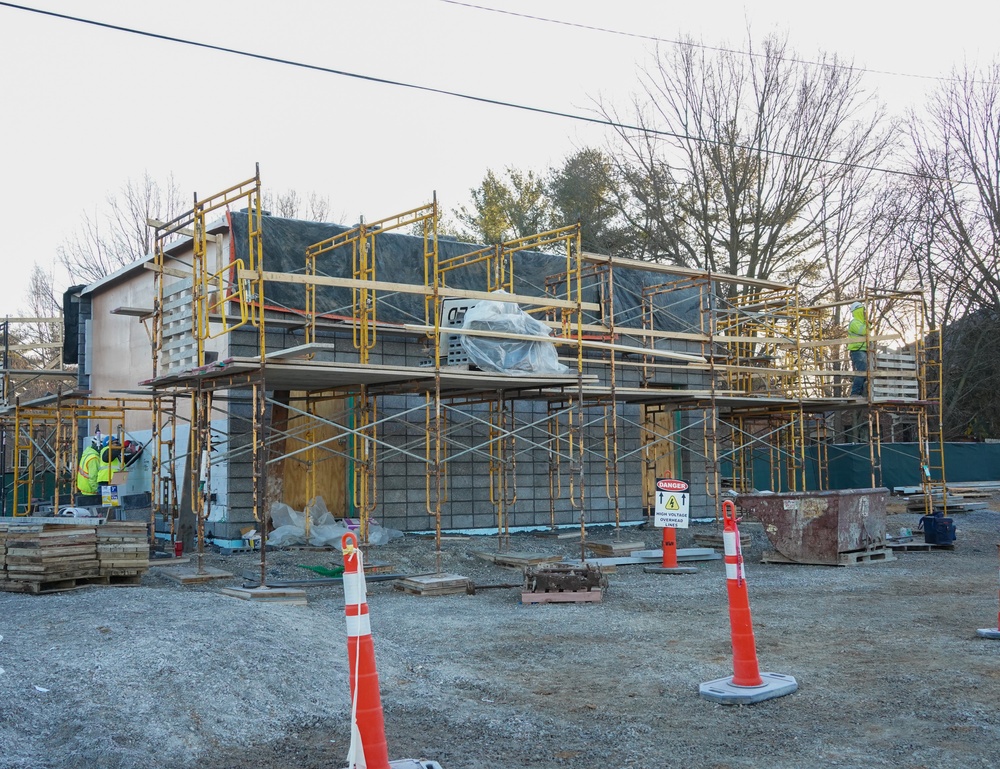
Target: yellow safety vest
[
  {"x": 88, "y": 472},
  {"x": 857, "y": 330}
]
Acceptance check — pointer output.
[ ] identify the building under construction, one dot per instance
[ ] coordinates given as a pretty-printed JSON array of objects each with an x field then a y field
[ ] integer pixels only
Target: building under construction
[{"x": 263, "y": 360}]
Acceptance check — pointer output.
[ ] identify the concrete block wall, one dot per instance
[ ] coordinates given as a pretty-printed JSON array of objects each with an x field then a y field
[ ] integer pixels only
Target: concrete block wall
[
  {"x": 467, "y": 504},
  {"x": 240, "y": 482}
]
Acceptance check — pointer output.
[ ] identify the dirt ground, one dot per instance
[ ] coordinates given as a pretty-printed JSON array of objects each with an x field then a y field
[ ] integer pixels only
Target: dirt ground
[{"x": 890, "y": 669}]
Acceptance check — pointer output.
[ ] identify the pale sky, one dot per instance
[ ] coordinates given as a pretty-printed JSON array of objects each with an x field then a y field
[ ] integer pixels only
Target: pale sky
[{"x": 85, "y": 108}]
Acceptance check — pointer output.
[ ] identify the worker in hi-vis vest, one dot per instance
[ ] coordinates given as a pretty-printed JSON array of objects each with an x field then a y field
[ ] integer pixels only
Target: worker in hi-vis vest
[
  {"x": 857, "y": 348},
  {"x": 100, "y": 460},
  {"x": 88, "y": 470}
]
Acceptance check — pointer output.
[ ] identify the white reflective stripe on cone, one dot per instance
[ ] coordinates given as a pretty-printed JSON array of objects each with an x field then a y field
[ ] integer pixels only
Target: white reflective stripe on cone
[
  {"x": 729, "y": 542},
  {"x": 354, "y": 588},
  {"x": 359, "y": 626},
  {"x": 731, "y": 571}
]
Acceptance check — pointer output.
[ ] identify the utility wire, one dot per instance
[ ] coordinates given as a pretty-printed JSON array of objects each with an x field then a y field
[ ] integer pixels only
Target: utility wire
[
  {"x": 692, "y": 44},
  {"x": 458, "y": 94}
]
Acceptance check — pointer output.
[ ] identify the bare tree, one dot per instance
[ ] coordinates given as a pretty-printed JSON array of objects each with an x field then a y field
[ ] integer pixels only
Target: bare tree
[
  {"x": 116, "y": 233},
  {"x": 957, "y": 149},
  {"x": 737, "y": 151},
  {"x": 290, "y": 205},
  {"x": 957, "y": 153}
]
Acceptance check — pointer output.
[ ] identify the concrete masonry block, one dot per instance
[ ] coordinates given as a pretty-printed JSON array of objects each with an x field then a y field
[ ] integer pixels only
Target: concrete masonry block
[
  {"x": 462, "y": 521},
  {"x": 394, "y": 496}
]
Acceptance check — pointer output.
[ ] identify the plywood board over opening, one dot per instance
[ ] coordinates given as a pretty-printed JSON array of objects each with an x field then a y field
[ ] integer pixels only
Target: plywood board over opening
[
  {"x": 323, "y": 471},
  {"x": 659, "y": 453}
]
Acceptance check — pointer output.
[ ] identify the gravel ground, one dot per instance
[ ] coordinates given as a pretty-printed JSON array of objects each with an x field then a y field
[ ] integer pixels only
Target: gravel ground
[{"x": 890, "y": 670}]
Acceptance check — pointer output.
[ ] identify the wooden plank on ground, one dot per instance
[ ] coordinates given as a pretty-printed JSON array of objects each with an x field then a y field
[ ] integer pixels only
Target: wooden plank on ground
[
  {"x": 518, "y": 559},
  {"x": 434, "y": 584},
  {"x": 192, "y": 576},
  {"x": 610, "y": 547},
  {"x": 565, "y": 596}
]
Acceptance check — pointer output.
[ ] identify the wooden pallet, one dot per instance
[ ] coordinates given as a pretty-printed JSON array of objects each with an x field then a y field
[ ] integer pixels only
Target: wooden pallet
[
  {"x": 917, "y": 547},
  {"x": 564, "y": 596},
  {"x": 434, "y": 584},
  {"x": 871, "y": 555},
  {"x": 39, "y": 587}
]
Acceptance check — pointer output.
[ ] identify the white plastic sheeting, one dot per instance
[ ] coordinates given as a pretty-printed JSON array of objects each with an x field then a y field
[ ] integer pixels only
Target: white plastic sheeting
[
  {"x": 513, "y": 357},
  {"x": 324, "y": 529}
]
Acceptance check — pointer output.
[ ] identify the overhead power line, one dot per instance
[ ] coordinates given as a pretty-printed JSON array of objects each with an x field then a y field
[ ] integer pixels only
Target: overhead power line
[
  {"x": 446, "y": 92},
  {"x": 692, "y": 44}
]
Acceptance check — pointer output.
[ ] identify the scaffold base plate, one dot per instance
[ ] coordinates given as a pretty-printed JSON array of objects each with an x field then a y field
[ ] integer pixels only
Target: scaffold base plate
[{"x": 725, "y": 692}]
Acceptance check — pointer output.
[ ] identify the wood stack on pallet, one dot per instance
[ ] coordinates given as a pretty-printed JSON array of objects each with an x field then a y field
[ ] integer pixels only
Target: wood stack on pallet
[
  {"x": 609, "y": 548},
  {"x": 49, "y": 555},
  {"x": 434, "y": 584},
  {"x": 45, "y": 557},
  {"x": 123, "y": 552}
]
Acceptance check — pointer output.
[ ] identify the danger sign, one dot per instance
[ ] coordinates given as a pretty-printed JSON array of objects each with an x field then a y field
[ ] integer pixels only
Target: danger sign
[{"x": 672, "y": 503}]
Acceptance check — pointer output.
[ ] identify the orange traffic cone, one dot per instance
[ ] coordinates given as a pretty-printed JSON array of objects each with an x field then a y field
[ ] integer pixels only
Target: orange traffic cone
[
  {"x": 368, "y": 748},
  {"x": 991, "y": 632},
  {"x": 668, "y": 563},
  {"x": 747, "y": 684}
]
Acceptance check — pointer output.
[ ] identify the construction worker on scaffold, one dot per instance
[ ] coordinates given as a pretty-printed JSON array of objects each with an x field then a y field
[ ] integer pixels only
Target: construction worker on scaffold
[{"x": 857, "y": 348}]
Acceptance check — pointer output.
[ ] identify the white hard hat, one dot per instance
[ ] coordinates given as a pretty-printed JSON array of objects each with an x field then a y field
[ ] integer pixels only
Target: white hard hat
[{"x": 856, "y": 305}]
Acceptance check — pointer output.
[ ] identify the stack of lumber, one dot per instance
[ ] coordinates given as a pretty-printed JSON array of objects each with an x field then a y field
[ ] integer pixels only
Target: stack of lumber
[
  {"x": 122, "y": 551},
  {"x": 42, "y": 557},
  {"x": 45, "y": 555},
  {"x": 610, "y": 548},
  {"x": 434, "y": 584}
]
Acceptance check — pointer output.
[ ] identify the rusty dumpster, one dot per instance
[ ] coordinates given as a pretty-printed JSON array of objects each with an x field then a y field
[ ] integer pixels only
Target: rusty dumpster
[{"x": 821, "y": 527}]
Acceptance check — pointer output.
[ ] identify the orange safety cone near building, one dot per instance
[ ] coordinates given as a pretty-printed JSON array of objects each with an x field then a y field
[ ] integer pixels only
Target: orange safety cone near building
[
  {"x": 747, "y": 685},
  {"x": 368, "y": 749},
  {"x": 988, "y": 632},
  {"x": 668, "y": 563}
]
